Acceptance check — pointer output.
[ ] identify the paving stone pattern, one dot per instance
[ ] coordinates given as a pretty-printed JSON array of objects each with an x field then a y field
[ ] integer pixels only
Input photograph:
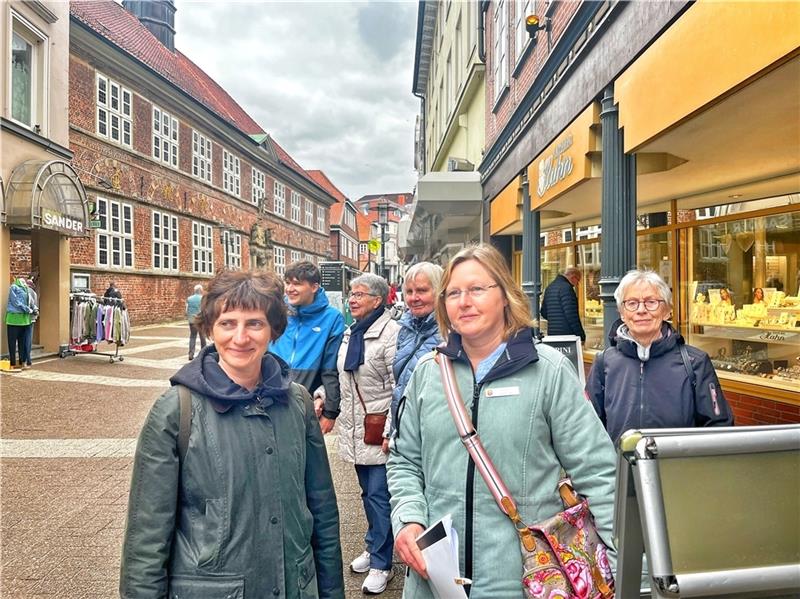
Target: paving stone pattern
[{"x": 68, "y": 432}]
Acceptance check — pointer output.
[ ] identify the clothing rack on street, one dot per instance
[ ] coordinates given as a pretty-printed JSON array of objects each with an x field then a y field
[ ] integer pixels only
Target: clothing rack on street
[{"x": 94, "y": 319}]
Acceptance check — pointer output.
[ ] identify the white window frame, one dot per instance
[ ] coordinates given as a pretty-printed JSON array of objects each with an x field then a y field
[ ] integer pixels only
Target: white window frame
[
  {"x": 294, "y": 256},
  {"x": 350, "y": 219},
  {"x": 296, "y": 202},
  {"x": 320, "y": 219},
  {"x": 280, "y": 260},
  {"x": 114, "y": 237},
  {"x": 232, "y": 249},
  {"x": 202, "y": 156},
  {"x": 522, "y": 38},
  {"x": 165, "y": 246},
  {"x": 363, "y": 248},
  {"x": 165, "y": 137},
  {"x": 500, "y": 55},
  {"x": 279, "y": 195},
  {"x": 310, "y": 258},
  {"x": 309, "y": 206},
  {"x": 39, "y": 76},
  {"x": 231, "y": 173},
  {"x": 202, "y": 248},
  {"x": 258, "y": 188},
  {"x": 111, "y": 109}
]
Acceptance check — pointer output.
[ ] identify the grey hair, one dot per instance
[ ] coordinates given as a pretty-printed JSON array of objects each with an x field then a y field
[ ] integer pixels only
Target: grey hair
[
  {"x": 198, "y": 288},
  {"x": 376, "y": 285},
  {"x": 643, "y": 276},
  {"x": 572, "y": 271},
  {"x": 432, "y": 272}
]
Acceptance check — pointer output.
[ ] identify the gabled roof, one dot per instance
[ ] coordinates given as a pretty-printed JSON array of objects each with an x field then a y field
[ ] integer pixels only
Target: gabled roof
[
  {"x": 112, "y": 22},
  {"x": 337, "y": 210},
  {"x": 364, "y": 228},
  {"x": 323, "y": 181},
  {"x": 286, "y": 159}
]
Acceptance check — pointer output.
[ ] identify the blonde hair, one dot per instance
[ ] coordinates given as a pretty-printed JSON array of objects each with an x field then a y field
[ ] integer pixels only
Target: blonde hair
[{"x": 517, "y": 312}]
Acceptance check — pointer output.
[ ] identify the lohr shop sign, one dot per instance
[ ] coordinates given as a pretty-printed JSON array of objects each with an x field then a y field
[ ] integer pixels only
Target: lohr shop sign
[
  {"x": 556, "y": 167},
  {"x": 62, "y": 223}
]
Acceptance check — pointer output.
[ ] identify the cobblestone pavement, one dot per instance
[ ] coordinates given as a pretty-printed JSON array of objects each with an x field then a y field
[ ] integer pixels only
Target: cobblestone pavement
[{"x": 68, "y": 431}]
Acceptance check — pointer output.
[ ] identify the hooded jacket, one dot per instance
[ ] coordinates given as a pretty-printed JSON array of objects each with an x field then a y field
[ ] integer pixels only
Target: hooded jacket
[
  {"x": 374, "y": 380},
  {"x": 18, "y": 310},
  {"x": 417, "y": 337},
  {"x": 256, "y": 510},
  {"x": 533, "y": 419},
  {"x": 632, "y": 387},
  {"x": 560, "y": 308},
  {"x": 310, "y": 346}
]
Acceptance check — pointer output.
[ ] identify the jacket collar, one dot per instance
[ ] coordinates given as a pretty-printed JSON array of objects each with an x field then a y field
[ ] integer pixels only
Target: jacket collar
[
  {"x": 520, "y": 351},
  {"x": 670, "y": 338},
  {"x": 422, "y": 324},
  {"x": 317, "y": 305}
]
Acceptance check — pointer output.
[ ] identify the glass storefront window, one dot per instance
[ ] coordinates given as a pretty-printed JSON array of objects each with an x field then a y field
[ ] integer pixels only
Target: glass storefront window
[
  {"x": 554, "y": 262},
  {"x": 589, "y": 304},
  {"x": 654, "y": 251},
  {"x": 743, "y": 297}
]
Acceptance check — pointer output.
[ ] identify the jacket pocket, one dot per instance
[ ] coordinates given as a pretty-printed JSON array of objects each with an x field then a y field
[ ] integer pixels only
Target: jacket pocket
[
  {"x": 307, "y": 576},
  {"x": 210, "y": 536},
  {"x": 206, "y": 587}
]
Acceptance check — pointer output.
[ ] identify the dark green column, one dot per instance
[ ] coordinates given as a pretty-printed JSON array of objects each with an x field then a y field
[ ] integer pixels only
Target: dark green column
[
  {"x": 531, "y": 253},
  {"x": 618, "y": 218}
]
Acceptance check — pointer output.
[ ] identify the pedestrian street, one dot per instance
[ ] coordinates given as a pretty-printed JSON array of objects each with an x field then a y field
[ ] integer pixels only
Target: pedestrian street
[{"x": 68, "y": 433}]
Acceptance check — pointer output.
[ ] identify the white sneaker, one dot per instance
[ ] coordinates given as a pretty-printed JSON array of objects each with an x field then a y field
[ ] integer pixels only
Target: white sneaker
[
  {"x": 361, "y": 563},
  {"x": 376, "y": 581}
]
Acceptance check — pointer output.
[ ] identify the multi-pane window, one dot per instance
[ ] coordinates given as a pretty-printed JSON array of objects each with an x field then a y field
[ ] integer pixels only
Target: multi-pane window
[
  {"x": 350, "y": 219},
  {"x": 362, "y": 248},
  {"x": 231, "y": 173},
  {"x": 320, "y": 219},
  {"x": 309, "y": 214},
  {"x": 294, "y": 256},
  {"x": 258, "y": 188},
  {"x": 500, "y": 66},
  {"x": 280, "y": 260},
  {"x": 29, "y": 77},
  {"x": 114, "y": 112},
  {"x": 202, "y": 249},
  {"x": 521, "y": 36},
  {"x": 115, "y": 234},
  {"x": 201, "y": 156},
  {"x": 232, "y": 245},
  {"x": 165, "y": 241},
  {"x": 311, "y": 258},
  {"x": 165, "y": 137},
  {"x": 280, "y": 198},
  {"x": 296, "y": 200}
]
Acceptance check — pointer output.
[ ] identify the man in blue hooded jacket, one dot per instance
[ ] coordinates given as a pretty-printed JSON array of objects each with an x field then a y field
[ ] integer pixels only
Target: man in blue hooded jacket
[{"x": 310, "y": 344}]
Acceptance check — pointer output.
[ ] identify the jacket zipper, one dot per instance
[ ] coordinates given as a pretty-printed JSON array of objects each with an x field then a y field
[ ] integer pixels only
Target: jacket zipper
[
  {"x": 468, "y": 524},
  {"x": 641, "y": 394}
]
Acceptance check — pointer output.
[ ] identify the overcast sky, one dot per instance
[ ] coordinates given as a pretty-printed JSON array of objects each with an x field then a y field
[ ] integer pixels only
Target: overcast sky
[{"x": 330, "y": 81}]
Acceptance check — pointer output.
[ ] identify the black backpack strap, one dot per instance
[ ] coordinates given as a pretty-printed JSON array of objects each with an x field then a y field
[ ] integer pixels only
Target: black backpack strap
[
  {"x": 689, "y": 370},
  {"x": 185, "y": 426}
]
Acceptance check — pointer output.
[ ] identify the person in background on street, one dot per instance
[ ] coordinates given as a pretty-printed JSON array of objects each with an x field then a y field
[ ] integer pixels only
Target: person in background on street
[
  {"x": 33, "y": 304},
  {"x": 310, "y": 344},
  {"x": 391, "y": 299},
  {"x": 534, "y": 421},
  {"x": 112, "y": 291},
  {"x": 641, "y": 379},
  {"x": 18, "y": 323},
  {"x": 192, "y": 310},
  {"x": 365, "y": 377},
  {"x": 560, "y": 305},
  {"x": 419, "y": 331},
  {"x": 250, "y": 510}
]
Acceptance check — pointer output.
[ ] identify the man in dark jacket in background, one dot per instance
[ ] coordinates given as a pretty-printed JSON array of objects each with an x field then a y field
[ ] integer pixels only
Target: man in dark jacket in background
[{"x": 560, "y": 305}]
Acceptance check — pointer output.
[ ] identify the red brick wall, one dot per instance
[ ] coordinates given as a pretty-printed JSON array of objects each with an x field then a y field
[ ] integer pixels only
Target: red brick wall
[
  {"x": 750, "y": 410},
  {"x": 142, "y": 125},
  {"x": 81, "y": 94}
]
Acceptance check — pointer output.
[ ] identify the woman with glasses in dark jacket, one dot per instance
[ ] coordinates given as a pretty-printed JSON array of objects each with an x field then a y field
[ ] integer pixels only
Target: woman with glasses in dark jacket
[{"x": 649, "y": 377}]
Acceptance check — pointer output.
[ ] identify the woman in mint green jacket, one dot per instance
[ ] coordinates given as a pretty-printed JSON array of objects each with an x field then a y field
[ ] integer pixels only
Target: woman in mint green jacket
[{"x": 528, "y": 406}]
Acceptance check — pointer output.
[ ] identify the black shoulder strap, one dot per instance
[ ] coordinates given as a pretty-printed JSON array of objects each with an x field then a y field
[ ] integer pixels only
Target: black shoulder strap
[
  {"x": 185, "y": 426},
  {"x": 688, "y": 366},
  {"x": 599, "y": 360}
]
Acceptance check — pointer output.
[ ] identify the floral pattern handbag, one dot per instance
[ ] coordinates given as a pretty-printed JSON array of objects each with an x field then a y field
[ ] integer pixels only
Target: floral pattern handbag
[{"x": 563, "y": 557}]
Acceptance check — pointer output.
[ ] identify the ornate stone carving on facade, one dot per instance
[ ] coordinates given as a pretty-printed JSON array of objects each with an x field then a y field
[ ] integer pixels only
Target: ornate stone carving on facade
[{"x": 260, "y": 247}]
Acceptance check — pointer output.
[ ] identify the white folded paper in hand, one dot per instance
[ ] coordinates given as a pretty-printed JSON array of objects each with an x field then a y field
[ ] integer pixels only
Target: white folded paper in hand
[{"x": 439, "y": 546}]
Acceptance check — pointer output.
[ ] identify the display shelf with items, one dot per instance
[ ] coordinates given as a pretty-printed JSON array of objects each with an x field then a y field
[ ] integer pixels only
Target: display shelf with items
[{"x": 593, "y": 325}]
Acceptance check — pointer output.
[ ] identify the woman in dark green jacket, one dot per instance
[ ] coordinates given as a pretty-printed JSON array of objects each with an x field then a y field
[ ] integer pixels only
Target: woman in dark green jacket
[{"x": 249, "y": 511}]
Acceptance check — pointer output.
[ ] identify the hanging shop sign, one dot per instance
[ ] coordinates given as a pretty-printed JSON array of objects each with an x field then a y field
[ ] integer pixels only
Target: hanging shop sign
[{"x": 62, "y": 223}]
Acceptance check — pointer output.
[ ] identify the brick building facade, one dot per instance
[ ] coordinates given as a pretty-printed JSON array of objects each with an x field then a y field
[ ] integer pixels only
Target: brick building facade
[{"x": 183, "y": 181}]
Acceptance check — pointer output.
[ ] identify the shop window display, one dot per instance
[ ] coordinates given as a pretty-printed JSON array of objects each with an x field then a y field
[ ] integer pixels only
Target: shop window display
[
  {"x": 589, "y": 302},
  {"x": 743, "y": 300},
  {"x": 554, "y": 262}
]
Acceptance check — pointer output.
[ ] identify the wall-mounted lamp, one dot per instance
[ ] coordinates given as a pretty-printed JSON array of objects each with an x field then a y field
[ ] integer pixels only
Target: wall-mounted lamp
[{"x": 533, "y": 24}]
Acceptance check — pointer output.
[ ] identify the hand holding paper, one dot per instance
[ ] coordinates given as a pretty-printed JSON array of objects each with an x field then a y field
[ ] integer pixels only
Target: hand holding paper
[{"x": 439, "y": 546}]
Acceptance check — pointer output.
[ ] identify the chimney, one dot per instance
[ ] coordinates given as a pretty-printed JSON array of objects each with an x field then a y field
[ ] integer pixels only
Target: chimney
[{"x": 158, "y": 16}]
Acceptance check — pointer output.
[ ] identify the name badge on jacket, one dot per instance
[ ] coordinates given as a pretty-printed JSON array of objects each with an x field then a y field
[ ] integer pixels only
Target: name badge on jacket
[{"x": 502, "y": 391}]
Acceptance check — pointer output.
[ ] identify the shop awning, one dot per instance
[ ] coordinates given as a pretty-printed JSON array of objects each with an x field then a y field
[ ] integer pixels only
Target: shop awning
[{"x": 46, "y": 194}]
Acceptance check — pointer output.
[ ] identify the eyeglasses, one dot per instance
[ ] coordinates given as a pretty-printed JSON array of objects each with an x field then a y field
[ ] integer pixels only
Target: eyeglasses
[
  {"x": 475, "y": 292},
  {"x": 651, "y": 305},
  {"x": 359, "y": 295}
]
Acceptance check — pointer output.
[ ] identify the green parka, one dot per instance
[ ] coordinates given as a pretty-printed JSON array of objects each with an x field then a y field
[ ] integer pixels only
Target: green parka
[
  {"x": 533, "y": 419},
  {"x": 251, "y": 512}
]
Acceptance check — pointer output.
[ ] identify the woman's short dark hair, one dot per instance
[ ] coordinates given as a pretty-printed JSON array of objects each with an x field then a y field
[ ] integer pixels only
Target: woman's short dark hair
[{"x": 244, "y": 290}]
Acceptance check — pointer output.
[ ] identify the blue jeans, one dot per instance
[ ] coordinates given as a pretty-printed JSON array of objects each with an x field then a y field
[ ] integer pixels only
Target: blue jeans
[{"x": 375, "y": 496}]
